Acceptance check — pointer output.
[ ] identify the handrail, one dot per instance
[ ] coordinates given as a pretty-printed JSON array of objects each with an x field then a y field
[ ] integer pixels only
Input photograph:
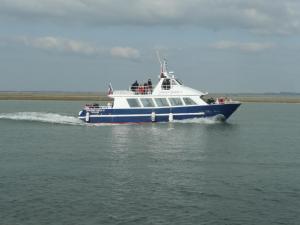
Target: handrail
[
  {"x": 146, "y": 90},
  {"x": 141, "y": 89},
  {"x": 95, "y": 107}
]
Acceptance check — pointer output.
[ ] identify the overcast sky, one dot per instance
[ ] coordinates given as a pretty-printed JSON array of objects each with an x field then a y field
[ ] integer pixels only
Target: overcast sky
[{"x": 211, "y": 45}]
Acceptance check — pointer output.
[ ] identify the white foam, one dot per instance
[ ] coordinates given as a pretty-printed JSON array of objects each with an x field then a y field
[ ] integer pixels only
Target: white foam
[
  {"x": 72, "y": 120},
  {"x": 42, "y": 117},
  {"x": 208, "y": 120}
]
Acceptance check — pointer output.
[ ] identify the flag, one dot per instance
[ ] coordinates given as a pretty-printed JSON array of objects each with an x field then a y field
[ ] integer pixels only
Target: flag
[{"x": 110, "y": 89}]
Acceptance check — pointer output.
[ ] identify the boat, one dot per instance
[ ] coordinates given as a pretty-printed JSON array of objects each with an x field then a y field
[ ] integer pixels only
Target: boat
[{"x": 169, "y": 100}]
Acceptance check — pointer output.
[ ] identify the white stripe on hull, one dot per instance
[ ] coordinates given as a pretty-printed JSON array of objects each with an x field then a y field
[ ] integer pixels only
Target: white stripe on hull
[{"x": 138, "y": 115}]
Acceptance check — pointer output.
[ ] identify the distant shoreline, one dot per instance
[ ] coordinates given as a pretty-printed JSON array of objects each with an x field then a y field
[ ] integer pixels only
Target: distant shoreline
[
  {"x": 55, "y": 96},
  {"x": 100, "y": 96}
]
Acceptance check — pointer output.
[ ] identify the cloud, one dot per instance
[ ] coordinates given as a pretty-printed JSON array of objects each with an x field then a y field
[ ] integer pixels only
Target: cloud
[
  {"x": 242, "y": 46},
  {"x": 64, "y": 45},
  {"x": 267, "y": 16},
  {"x": 60, "y": 44},
  {"x": 125, "y": 52}
]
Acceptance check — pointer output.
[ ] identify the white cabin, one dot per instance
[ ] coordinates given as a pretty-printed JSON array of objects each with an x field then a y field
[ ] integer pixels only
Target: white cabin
[{"x": 168, "y": 92}]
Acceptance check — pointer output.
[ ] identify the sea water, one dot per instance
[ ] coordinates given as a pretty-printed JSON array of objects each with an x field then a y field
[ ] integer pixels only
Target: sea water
[{"x": 54, "y": 169}]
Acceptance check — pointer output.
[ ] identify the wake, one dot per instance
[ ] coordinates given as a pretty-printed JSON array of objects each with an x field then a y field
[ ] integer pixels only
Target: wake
[
  {"x": 42, "y": 117},
  {"x": 208, "y": 120},
  {"x": 56, "y": 118}
]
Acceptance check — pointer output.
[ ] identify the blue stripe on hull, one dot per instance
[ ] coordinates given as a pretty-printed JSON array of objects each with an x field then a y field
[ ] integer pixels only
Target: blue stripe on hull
[{"x": 186, "y": 112}]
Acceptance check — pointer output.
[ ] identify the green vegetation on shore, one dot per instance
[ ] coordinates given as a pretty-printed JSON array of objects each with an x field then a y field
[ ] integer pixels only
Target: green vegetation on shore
[{"x": 100, "y": 96}]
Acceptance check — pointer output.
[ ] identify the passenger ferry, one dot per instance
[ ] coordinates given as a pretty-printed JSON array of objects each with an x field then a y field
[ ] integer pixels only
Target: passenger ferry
[{"x": 167, "y": 101}]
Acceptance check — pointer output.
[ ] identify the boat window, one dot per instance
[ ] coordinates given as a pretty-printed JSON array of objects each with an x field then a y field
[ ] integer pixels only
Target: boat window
[
  {"x": 166, "y": 84},
  {"x": 179, "y": 81},
  {"x": 174, "y": 82},
  {"x": 161, "y": 102},
  {"x": 133, "y": 102},
  {"x": 189, "y": 101},
  {"x": 175, "y": 101},
  {"x": 147, "y": 102}
]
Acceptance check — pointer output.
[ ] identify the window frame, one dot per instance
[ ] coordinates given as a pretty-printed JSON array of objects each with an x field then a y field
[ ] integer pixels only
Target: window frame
[
  {"x": 151, "y": 100},
  {"x": 190, "y": 99},
  {"x": 137, "y": 100},
  {"x": 170, "y": 100},
  {"x": 166, "y": 100},
  {"x": 173, "y": 82}
]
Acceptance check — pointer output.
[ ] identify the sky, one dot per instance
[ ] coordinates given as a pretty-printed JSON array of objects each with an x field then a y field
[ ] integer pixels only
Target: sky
[{"x": 212, "y": 45}]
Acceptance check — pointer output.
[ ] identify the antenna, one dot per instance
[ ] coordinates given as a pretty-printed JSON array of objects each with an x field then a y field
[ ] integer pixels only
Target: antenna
[
  {"x": 158, "y": 57},
  {"x": 163, "y": 66}
]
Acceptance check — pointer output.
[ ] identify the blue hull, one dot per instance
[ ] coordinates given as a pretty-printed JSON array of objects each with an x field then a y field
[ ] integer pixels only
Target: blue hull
[{"x": 145, "y": 115}]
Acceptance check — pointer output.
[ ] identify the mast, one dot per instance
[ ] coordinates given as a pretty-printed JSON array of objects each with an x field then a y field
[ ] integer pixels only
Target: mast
[{"x": 163, "y": 66}]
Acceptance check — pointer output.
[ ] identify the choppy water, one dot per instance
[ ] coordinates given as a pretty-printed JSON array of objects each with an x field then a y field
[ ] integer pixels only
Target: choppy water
[{"x": 56, "y": 170}]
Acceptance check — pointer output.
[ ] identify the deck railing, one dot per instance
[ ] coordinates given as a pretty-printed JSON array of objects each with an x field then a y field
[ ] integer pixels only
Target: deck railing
[
  {"x": 146, "y": 90},
  {"x": 141, "y": 89},
  {"x": 97, "y": 107}
]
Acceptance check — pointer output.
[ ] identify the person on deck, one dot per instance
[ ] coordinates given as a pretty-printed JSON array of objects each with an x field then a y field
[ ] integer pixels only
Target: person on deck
[
  {"x": 146, "y": 88},
  {"x": 141, "y": 89},
  {"x": 150, "y": 85},
  {"x": 134, "y": 86}
]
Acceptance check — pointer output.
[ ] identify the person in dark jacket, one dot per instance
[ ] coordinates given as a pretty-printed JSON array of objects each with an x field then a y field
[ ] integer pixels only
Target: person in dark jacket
[
  {"x": 134, "y": 86},
  {"x": 146, "y": 88},
  {"x": 150, "y": 85}
]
